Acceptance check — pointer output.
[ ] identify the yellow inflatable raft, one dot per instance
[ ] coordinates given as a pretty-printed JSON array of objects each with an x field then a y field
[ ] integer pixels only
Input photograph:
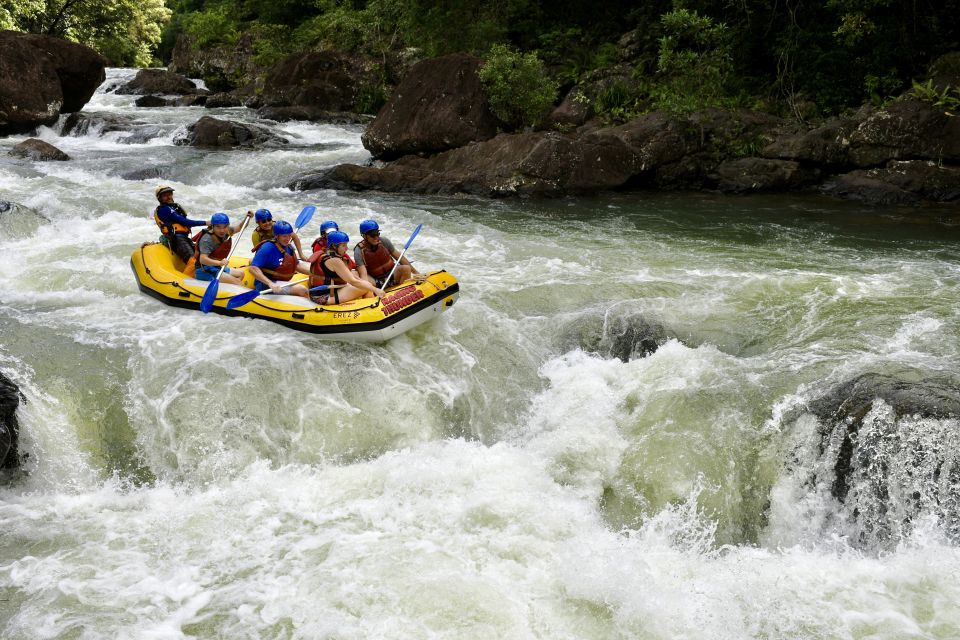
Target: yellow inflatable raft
[{"x": 405, "y": 306}]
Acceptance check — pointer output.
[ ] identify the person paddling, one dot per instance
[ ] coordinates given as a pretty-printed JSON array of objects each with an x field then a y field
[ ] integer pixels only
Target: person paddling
[
  {"x": 335, "y": 273},
  {"x": 174, "y": 224},
  {"x": 375, "y": 256},
  {"x": 264, "y": 231},
  {"x": 213, "y": 247},
  {"x": 276, "y": 260}
]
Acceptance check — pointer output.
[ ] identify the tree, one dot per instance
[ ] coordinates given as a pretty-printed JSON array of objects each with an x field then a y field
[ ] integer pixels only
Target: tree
[
  {"x": 517, "y": 86},
  {"x": 126, "y": 32}
]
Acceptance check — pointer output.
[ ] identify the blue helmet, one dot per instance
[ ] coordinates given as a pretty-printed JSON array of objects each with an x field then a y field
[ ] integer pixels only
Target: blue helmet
[
  {"x": 262, "y": 215},
  {"x": 368, "y": 225},
  {"x": 329, "y": 224},
  {"x": 337, "y": 237},
  {"x": 219, "y": 218},
  {"x": 282, "y": 228}
]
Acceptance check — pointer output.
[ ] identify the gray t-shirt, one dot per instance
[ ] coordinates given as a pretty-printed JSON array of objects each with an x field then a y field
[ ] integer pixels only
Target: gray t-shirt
[
  {"x": 358, "y": 254},
  {"x": 208, "y": 244}
]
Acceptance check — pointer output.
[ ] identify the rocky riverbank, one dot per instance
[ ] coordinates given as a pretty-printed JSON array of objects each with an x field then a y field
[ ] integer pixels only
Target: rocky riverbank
[{"x": 437, "y": 135}]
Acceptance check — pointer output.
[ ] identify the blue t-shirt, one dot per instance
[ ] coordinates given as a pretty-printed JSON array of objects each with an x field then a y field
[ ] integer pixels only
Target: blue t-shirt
[{"x": 268, "y": 256}]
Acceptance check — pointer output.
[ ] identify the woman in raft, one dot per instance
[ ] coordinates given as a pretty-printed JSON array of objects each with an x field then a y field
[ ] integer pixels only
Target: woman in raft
[{"x": 331, "y": 269}]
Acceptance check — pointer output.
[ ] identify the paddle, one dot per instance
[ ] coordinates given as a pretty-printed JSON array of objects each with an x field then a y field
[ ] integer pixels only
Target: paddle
[
  {"x": 243, "y": 298},
  {"x": 210, "y": 295},
  {"x": 304, "y": 217},
  {"x": 405, "y": 247}
]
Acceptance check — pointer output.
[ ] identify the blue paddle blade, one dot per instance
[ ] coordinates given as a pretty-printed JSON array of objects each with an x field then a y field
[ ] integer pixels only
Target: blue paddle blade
[
  {"x": 320, "y": 289},
  {"x": 241, "y": 299},
  {"x": 412, "y": 236},
  {"x": 305, "y": 216},
  {"x": 209, "y": 296}
]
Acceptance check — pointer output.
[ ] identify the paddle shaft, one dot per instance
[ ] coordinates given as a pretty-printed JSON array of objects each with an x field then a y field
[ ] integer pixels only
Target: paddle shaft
[
  {"x": 396, "y": 264},
  {"x": 235, "y": 244}
]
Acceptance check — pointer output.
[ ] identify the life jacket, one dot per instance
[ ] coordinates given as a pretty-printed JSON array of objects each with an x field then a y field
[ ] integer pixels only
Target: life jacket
[
  {"x": 322, "y": 274},
  {"x": 221, "y": 252},
  {"x": 170, "y": 229},
  {"x": 320, "y": 244},
  {"x": 378, "y": 261},
  {"x": 259, "y": 237},
  {"x": 286, "y": 269}
]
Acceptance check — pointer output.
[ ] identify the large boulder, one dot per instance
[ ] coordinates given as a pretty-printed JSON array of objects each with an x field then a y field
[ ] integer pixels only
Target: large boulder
[
  {"x": 158, "y": 81},
  {"x": 213, "y": 132},
  {"x": 42, "y": 77},
  {"x": 38, "y": 150},
  {"x": 439, "y": 105},
  {"x": 322, "y": 80}
]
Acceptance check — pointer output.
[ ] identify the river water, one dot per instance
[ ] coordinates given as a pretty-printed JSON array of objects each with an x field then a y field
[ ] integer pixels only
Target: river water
[{"x": 523, "y": 467}]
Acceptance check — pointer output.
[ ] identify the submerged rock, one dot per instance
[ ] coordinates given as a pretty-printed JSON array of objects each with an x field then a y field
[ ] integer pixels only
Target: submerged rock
[
  {"x": 625, "y": 336},
  {"x": 9, "y": 427},
  {"x": 37, "y": 150}
]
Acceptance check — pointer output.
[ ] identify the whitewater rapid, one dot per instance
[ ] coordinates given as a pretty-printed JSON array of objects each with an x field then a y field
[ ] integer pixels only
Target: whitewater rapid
[{"x": 519, "y": 468}]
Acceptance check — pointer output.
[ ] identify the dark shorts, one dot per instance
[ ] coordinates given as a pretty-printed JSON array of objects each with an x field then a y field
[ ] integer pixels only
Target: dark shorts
[
  {"x": 326, "y": 298},
  {"x": 182, "y": 246}
]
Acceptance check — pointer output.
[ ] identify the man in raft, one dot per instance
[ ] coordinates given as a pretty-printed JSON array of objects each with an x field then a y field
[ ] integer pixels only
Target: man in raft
[
  {"x": 376, "y": 255},
  {"x": 213, "y": 247},
  {"x": 174, "y": 223},
  {"x": 264, "y": 231},
  {"x": 275, "y": 260}
]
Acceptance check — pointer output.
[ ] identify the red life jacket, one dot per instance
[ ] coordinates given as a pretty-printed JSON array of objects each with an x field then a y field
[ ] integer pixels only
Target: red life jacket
[
  {"x": 320, "y": 244},
  {"x": 322, "y": 274},
  {"x": 221, "y": 252},
  {"x": 286, "y": 269},
  {"x": 378, "y": 261}
]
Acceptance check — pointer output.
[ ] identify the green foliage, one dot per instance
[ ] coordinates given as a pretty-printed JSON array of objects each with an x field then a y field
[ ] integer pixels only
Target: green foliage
[
  {"x": 694, "y": 62},
  {"x": 126, "y": 32},
  {"x": 517, "y": 87},
  {"x": 948, "y": 97},
  {"x": 212, "y": 27}
]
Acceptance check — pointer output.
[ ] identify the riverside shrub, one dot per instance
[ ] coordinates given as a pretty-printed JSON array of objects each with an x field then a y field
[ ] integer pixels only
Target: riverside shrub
[{"x": 518, "y": 89}]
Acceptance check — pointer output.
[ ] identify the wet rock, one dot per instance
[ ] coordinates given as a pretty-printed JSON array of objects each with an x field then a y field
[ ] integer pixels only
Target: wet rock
[
  {"x": 224, "y": 99},
  {"x": 760, "y": 174},
  {"x": 37, "y": 150},
  {"x": 157, "y": 81},
  {"x": 439, "y": 105},
  {"x": 42, "y": 77},
  {"x": 9, "y": 427},
  {"x": 82, "y": 124},
  {"x": 142, "y": 134},
  {"x": 220, "y": 66},
  {"x": 152, "y": 101},
  {"x": 213, "y": 132}
]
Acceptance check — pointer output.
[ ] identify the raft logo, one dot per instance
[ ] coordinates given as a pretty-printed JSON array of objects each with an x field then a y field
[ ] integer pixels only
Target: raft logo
[{"x": 401, "y": 299}]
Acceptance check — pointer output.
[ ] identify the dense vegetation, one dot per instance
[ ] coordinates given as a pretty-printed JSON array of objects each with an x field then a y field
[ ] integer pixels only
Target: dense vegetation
[{"x": 804, "y": 57}]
